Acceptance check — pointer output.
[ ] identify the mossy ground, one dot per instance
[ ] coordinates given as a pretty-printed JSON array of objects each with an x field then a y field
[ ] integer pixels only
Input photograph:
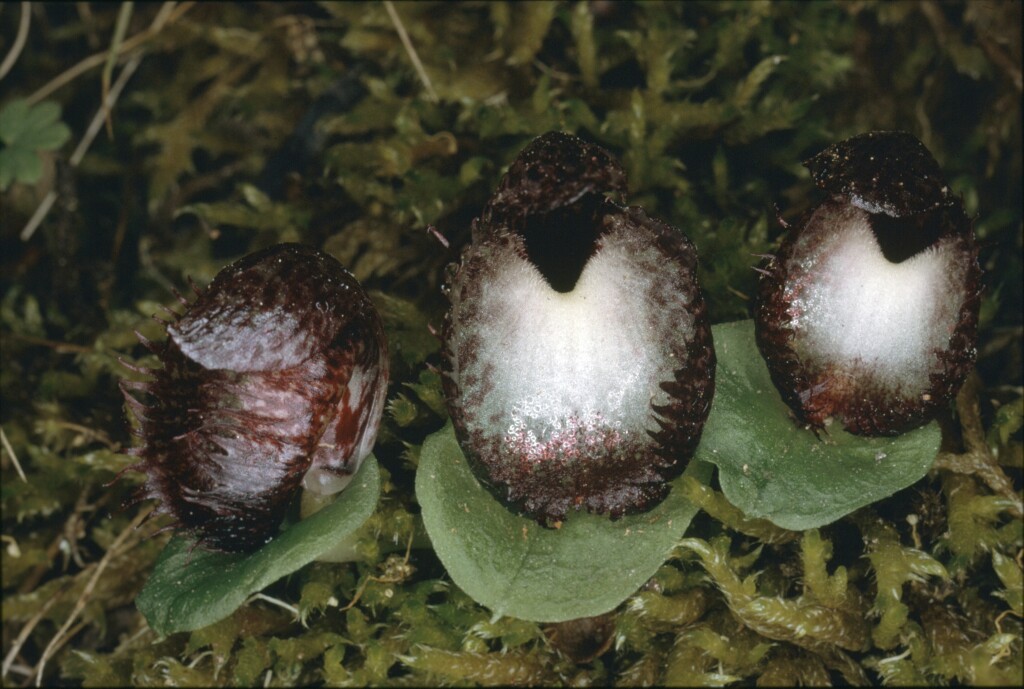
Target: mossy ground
[{"x": 235, "y": 131}]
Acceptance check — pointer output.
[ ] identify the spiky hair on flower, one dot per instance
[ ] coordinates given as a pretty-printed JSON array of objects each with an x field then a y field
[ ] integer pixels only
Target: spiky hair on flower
[
  {"x": 868, "y": 313},
  {"x": 578, "y": 362},
  {"x": 273, "y": 378}
]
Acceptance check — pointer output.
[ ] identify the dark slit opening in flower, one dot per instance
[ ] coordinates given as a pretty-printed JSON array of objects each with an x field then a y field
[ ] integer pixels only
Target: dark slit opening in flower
[
  {"x": 868, "y": 313},
  {"x": 578, "y": 360},
  {"x": 274, "y": 378}
]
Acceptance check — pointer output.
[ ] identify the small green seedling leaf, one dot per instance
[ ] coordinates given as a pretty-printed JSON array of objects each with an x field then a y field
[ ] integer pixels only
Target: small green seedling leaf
[
  {"x": 520, "y": 569},
  {"x": 192, "y": 588},
  {"x": 773, "y": 469},
  {"x": 25, "y": 131}
]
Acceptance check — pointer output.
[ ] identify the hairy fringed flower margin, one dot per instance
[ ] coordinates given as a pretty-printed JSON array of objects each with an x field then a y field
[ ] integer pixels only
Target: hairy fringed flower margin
[{"x": 708, "y": 106}]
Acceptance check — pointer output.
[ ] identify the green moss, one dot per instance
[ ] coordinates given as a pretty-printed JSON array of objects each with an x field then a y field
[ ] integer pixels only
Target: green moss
[
  {"x": 715, "y": 504},
  {"x": 894, "y": 566},
  {"x": 710, "y": 106}
]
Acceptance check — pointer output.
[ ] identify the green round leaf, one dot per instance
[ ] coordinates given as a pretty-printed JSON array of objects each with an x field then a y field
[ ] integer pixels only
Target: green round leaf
[
  {"x": 35, "y": 128},
  {"x": 769, "y": 467},
  {"x": 19, "y": 164},
  {"x": 44, "y": 130},
  {"x": 14, "y": 119},
  {"x": 518, "y": 568},
  {"x": 192, "y": 588},
  {"x": 25, "y": 131}
]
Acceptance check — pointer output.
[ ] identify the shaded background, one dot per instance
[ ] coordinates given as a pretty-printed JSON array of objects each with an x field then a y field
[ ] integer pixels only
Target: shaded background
[{"x": 242, "y": 126}]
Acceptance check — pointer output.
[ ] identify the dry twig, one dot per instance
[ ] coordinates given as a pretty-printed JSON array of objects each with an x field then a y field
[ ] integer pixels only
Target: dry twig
[
  {"x": 123, "y": 17},
  {"x": 83, "y": 146},
  {"x": 29, "y": 626},
  {"x": 167, "y": 15},
  {"x": 19, "y": 40},
  {"x": 62, "y": 635},
  {"x": 409, "y": 48},
  {"x": 10, "y": 453}
]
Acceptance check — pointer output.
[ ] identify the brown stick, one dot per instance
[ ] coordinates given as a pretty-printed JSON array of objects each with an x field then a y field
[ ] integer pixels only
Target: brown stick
[{"x": 62, "y": 634}]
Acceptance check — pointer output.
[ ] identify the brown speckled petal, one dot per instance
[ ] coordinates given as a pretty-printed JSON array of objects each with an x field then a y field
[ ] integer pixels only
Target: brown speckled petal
[
  {"x": 868, "y": 313},
  {"x": 578, "y": 361},
  {"x": 882, "y": 172},
  {"x": 554, "y": 171},
  {"x": 272, "y": 309},
  {"x": 279, "y": 367}
]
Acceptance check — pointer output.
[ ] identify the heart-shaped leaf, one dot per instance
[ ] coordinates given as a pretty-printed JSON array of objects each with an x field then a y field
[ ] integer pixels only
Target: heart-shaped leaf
[
  {"x": 35, "y": 128},
  {"x": 192, "y": 588},
  {"x": 24, "y": 131},
  {"x": 518, "y": 568},
  {"x": 769, "y": 467}
]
